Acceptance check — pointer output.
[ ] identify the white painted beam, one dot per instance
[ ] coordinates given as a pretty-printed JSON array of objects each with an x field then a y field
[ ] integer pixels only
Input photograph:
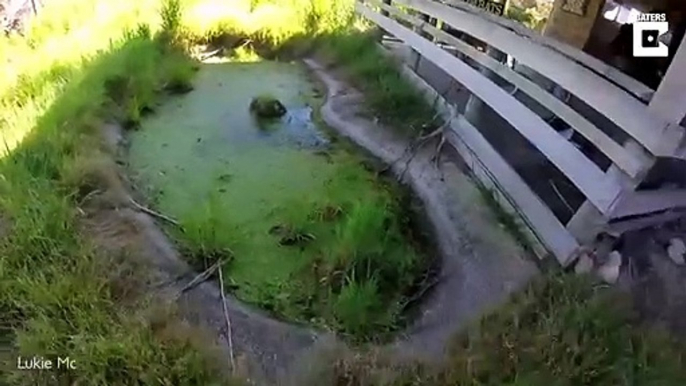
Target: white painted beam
[
  {"x": 631, "y": 164},
  {"x": 629, "y": 84},
  {"x": 492, "y": 171},
  {"x": 642, "y": 202},
  {"x": 585, "y": 175},
  {"x": 625, "y": 111}
]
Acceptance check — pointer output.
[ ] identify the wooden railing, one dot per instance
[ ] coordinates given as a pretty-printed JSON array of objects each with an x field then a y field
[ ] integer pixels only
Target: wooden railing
[{"x": 610, "y": 194}]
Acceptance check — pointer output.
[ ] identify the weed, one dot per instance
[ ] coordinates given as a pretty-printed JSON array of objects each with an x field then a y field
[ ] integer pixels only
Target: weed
[
  {"x": 393, "y": 99},
  {"x": 561, "y": 331},
  {"x": 505, "y": 218},
  {"x": 359, "y": 309},
  {"x": 171, "y": 13},
  {"x": 204, "y": 239}
]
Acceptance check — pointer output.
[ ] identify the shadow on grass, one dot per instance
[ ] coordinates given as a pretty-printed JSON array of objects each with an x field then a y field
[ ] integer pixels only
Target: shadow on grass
[{"x": 59, "y": 296}]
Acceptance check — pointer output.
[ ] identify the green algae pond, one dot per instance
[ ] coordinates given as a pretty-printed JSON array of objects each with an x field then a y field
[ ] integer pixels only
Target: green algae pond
[{"x": 312, "y": 234}]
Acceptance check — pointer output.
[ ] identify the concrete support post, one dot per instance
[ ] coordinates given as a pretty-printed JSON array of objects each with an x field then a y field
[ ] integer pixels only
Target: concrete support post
[
  {"x": 474, "y": 106},
  {"x": 669, "y": 101},
  {"x": 569, "y": 27}
]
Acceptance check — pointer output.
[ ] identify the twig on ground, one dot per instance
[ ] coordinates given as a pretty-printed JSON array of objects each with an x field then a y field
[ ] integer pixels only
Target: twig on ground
[
  {"x": 207, "y": 55},
  {"x": 89, "y": 196},
  {"x": 153, "y": 213},
  {"x": 201, "y": 277},
  {"x": 229, "y": 335},
  {"x": 422, "y": 291},
  {"x": 415, "y": 146},
  {"x": 560, "y": 196}
]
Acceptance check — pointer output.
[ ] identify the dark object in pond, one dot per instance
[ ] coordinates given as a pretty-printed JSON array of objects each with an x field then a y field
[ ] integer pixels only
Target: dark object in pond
[
  {"x": 266, "y": 106},
  {"x": 328, "y": 213},
  {"x": 225, "y": 177},
  {"x": 326, "y": 154},
  {"x": 290, "y": 236},
  {"x": 296, "y": 238},
  {"x": 178, "y": 87}
]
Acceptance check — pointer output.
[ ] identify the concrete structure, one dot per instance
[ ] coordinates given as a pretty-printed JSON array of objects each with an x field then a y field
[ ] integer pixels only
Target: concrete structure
[
  {"x": 571, "y": 21},
  {"x": 567, "y": 143}
]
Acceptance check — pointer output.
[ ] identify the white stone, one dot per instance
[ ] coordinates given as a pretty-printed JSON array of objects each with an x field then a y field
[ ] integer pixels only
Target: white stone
[
  {"x": 676, "y": 250},
  {"x": 583, "y": 265},
  {"x": 609, "y": 271}
]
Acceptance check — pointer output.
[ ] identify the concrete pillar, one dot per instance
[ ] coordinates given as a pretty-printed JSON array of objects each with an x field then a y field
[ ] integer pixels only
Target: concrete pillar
[
  {"x": 669, "y": 101},
  {"x": 474, "y": 107},
  {"x": 569, "y": 27}
]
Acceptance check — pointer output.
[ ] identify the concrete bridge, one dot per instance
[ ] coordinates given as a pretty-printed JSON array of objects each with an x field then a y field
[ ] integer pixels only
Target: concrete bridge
[{"x": 571, "y": 145}]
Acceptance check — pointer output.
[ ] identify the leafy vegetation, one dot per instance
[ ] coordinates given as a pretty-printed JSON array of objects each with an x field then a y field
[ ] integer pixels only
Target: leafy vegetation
[{"x": 532, "y": 13}]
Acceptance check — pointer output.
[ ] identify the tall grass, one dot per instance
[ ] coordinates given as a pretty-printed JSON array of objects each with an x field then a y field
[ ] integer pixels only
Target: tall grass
[
  {"x": 59, "y": 294},
  {"x": 389, "y": 96},
  {"x": 561, "y": 331}
]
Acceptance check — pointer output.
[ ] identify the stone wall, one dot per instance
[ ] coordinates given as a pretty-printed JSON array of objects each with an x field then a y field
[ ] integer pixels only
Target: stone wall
[{"x": 569, "y": 27}]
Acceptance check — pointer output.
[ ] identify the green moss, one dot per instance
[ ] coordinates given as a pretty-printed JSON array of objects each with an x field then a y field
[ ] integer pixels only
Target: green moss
[{"x": 300, "y": 224}]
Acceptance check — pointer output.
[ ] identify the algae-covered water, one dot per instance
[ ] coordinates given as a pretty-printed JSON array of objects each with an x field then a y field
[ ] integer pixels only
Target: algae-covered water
[{"x": 238, "y": 183}]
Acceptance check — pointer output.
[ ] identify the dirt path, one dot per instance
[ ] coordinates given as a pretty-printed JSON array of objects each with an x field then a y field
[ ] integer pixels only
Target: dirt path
[{"x": 481, "y": 264}]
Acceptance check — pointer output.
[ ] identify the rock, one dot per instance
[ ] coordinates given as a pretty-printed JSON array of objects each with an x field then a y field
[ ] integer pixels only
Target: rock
[
  {"x": 265, "y": 106},
  {"x": 583, "y": 265},
  {"x": 676, "y": 250},
  {"x": 609, "y": 271}
]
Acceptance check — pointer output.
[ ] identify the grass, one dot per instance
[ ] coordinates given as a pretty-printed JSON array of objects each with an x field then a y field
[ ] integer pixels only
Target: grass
[
  {"x": 506, "y": 219},
  {"x": 60, "y": 294},
  {"x": 389, "y": 96},
  {"x": 83, "y": 63},
  {"x": 316, "y": 262},
  {"x": 563, "y": 331}
]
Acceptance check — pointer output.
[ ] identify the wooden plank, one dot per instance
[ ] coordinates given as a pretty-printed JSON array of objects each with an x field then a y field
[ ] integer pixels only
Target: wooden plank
[
  {"x": 486, "y": 162},
  {"x": 586, "y": 223},
  {"x": 642, "y": 202},
  {"x": 494, "y": 172},
  {"x": 630, "y": 85},
  {"x": 588, "y": 178},
  {"x": 626, "y": 112},
  {"x": 627, "y": 162},
  {"x": 633, "y": 224}
]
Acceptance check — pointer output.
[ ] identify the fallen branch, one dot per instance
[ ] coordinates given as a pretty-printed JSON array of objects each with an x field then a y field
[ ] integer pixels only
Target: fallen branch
[
  {"x": 415, "y": 146},
  {"x": 153, "y": 213},
  {"x": 200, "y": 278},
  {"x": 229, "y": 336},
  {"x": 420, "y": 294}
]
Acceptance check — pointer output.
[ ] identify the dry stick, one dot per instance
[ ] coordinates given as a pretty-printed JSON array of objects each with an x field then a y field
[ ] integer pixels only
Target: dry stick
[
  {"x": 153, "y": 213},
  {"x": 425, "y": 139},
  {"x": 559, "y": 195},
  {"x": 415, "y": 145},
  {"x": 203, "y": 276},
  {"x": 229, "y": 337}
]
